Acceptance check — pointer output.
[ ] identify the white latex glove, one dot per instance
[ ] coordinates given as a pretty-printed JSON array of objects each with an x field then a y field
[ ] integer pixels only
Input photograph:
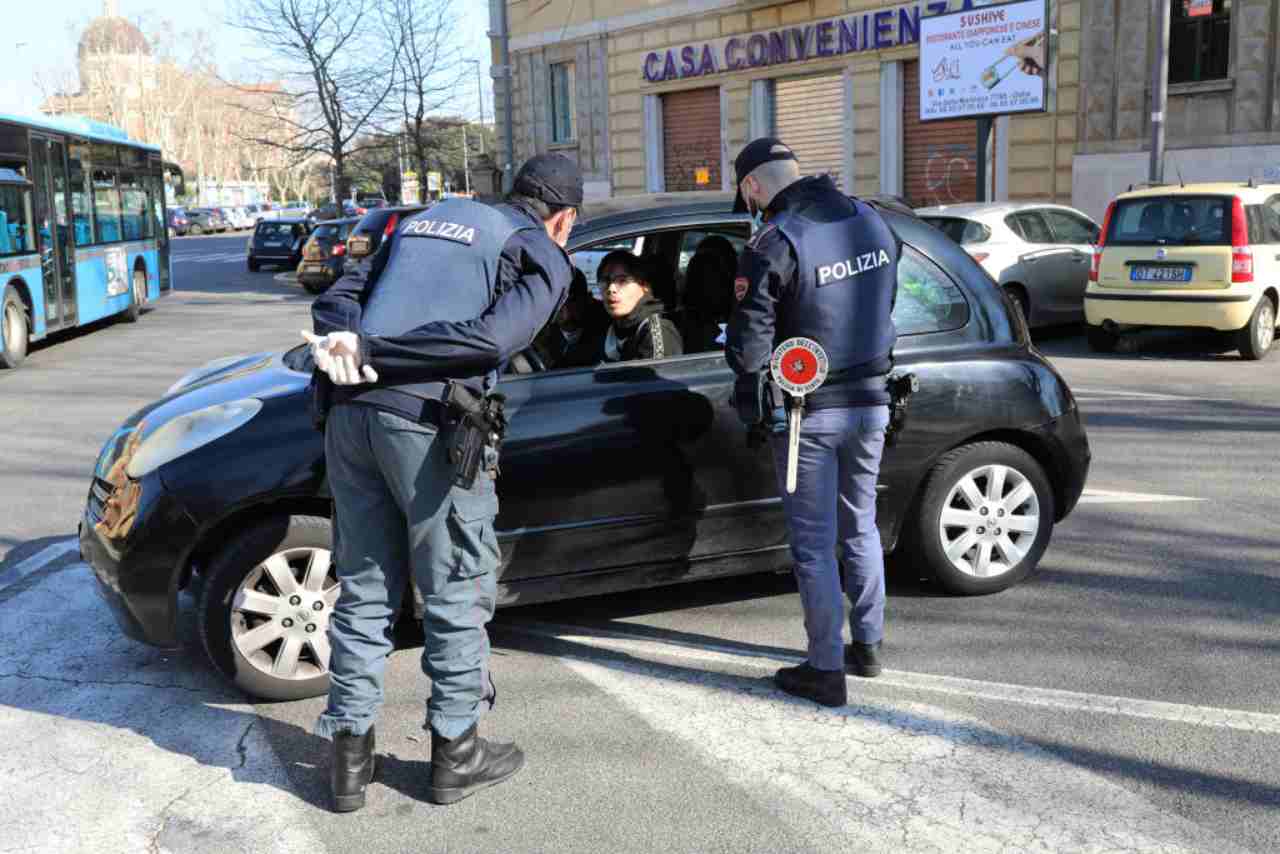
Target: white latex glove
[{"x": 338, "y": 355}]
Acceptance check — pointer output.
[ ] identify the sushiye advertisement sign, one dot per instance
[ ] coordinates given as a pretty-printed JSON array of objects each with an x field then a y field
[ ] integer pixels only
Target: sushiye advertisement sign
[{"x": 986, "y": 61}]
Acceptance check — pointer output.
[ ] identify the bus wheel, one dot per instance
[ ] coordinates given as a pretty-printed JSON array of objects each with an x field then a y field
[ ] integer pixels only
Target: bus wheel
[
  {"x": 134, "y": 311},
  {"x": 13, "y": 316}
]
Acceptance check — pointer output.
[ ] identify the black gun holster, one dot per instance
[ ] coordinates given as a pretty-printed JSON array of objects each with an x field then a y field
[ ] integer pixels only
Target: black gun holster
[{"x": 482, "y": 424}]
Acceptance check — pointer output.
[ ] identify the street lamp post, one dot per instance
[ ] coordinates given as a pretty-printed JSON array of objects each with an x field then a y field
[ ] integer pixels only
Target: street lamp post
[{"x": 480, "y": 96}]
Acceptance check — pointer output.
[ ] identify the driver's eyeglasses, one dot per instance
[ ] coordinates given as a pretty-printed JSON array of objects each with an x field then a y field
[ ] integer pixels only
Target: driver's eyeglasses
[{"x": 619, "y": 280}]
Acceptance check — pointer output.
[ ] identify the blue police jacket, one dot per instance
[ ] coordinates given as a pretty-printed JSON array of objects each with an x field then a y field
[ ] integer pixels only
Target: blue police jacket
[
  {"x": 452, "y": 294},
  {"x": 823, "y": 267}
]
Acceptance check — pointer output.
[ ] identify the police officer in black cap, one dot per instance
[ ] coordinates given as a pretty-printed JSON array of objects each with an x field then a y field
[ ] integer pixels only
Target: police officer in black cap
[
  {"x": 821, "y": 266},
  {"x": 411, "y": 345}
]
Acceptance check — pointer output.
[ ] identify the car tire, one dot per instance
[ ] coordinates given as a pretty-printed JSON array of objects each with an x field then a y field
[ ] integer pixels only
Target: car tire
[
  {"x": 134, "y": 311},
  {"x": 253, "y": 265},
  {"x": 1254, "y": 340},
  {"x": 16, "y": 329},
  {"x": 294, "y": 663},
  {"x": 979, "y": 470},
  {"x": 197, "y": 230},
  {"x": 1100, "y": 340}
]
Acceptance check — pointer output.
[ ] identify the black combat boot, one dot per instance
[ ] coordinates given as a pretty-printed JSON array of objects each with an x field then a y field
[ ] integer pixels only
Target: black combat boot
[
  {"x": 822, "y": 686},
  {"x": 469, "y": 763},
  {"x": 352, "y": 769},
  {"x": 862, "y": 659}
]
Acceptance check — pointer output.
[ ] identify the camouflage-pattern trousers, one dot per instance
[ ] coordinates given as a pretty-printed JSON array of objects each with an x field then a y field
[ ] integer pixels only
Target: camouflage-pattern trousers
[{"x": 396, "y": 512}]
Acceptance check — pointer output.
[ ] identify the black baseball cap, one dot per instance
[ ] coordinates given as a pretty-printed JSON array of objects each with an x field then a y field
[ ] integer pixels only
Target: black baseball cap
[
  {"x": 757, "y": 153},
  {"x": 553, "y": 178}
]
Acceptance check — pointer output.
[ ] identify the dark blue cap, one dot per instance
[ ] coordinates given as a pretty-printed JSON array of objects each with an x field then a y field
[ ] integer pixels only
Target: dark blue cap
[
  {"x": 553, "y": 178},
  {"x": 757, "y": 153}
]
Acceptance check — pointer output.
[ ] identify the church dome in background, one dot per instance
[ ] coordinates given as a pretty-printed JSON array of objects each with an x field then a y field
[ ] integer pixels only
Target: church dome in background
[{"x": 112, "y": 36}]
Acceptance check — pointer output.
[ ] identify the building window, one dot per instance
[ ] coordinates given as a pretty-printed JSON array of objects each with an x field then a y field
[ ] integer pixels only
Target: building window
[
  {"x": 562, "y": 102},
  {"x": 1199, "y": 40}
]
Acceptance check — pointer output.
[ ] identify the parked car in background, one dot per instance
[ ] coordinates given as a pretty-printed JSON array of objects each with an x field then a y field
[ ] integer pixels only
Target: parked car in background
[
  {"x": 1038, "y": 253},
  {"x": 616, "y": 477},
  {"x": 324, "y": 254},
  {"x": 1194, "y": 256},
  {"x": 278, "y": 242},
  {"x": 206, "y": 221},
  {"x": 178, "y": 222},
  {"x": 239, "y": 218},
  {"x": 325, "y": 212},
  {"x": 367, "y": 236}
]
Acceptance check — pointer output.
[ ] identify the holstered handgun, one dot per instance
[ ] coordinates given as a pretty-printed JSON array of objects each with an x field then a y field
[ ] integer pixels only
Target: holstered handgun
[
  {"x": 481, "y": 426},
  {"x": 901, "y": 387}
]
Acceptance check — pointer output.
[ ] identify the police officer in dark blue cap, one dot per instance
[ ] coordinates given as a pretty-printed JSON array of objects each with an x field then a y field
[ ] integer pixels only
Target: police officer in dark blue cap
[
  {"x": 408, "y": 348},
  {"x": 821, "y": 266}
]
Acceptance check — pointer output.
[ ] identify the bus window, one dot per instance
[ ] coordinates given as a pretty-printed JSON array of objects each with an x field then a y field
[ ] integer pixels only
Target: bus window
[
  {"x": 133, "y": 199},
  {"x": 81, "y": 209},
  {"x": 15, "y": 220},
  {"x": 106, "y": 205}
]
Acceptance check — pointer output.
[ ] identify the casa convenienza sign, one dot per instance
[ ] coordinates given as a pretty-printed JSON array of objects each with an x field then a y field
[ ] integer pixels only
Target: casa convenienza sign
[{"x": 845, "y": 34}]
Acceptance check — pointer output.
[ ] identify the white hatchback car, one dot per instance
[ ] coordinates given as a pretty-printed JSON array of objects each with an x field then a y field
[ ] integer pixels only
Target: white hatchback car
[{"x": 1038, "y": 253}]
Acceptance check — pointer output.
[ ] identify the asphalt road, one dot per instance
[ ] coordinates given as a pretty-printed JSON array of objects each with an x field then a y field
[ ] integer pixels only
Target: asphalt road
[{"x": 1122, "y": 699}]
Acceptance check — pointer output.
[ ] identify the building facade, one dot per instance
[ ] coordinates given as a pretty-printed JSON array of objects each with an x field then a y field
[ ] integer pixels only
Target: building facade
[
  {"x": 651, "y": 97},
  {"x": 1223, "y": 116}
]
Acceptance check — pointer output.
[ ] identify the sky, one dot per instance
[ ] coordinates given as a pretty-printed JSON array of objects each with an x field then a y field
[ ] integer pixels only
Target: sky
[{"x": 47, "y": 43}]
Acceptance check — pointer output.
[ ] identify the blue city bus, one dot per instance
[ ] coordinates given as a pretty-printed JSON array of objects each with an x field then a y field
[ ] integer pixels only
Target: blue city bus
[{"x": 83, "y": 227}]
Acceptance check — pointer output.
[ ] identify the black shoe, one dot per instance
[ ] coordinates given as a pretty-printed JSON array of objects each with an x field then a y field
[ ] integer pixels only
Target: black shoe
[
  {"x": 469, "y": 763},
  {"x": 351, "y": 770},
  {"x": 862, "y": 659},
  {"x": 822, "y": 686}
]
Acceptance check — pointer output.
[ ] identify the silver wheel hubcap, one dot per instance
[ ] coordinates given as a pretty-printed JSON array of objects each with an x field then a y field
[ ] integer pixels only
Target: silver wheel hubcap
[
  {"x": 280, "y": 614},
  {"x": 1266, "y": 326},
  {"x": 12, "y": 327},
  {"x": 989, "y": 521}
]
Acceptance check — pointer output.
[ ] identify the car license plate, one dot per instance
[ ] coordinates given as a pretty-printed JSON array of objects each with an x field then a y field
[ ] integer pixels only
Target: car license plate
[
  {"x": 273, "y": 243},
  {"x": 1140, "y": 273},
  {"x": 313, "y": 268}
]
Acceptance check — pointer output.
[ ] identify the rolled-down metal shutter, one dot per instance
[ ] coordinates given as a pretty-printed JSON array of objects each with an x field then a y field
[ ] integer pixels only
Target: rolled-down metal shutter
[
  {"x": 809, "y": 117},
  {"x": 940, "y": 159},
  {"x": 691, "y": 139}
]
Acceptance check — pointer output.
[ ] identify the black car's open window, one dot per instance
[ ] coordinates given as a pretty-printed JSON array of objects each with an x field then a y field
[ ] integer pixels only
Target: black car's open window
[{"x": 928, "y": 300}]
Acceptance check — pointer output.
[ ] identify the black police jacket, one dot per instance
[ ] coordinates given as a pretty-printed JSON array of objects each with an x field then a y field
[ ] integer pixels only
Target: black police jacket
[
  {"x": 459, "y": 306},
  {"x": 823, "y": 267}
]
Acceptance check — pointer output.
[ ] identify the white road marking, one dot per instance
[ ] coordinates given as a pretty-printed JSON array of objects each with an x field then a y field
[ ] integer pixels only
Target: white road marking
[
  {"x": 112, "y": 745},
  {"x": 1105, "y": 394},
  {"x": 38, "y": 561},
  {"x": 1108, "y": 496},
  {"x": 885, "y": 775},
  {"x": 1072, "y": 701}
]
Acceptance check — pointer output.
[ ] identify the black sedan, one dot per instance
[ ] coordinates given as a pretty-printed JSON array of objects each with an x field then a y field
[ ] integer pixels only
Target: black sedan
[
  {"x": 627, "y": 475},
  {"x": 276, "y": 241},
  {"x": 367, "y": 236},
  {"x": 324, "y": 254}
]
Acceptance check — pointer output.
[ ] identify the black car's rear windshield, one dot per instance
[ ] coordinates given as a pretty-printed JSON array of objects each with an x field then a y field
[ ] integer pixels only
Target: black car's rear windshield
[
  {"x": 962, "y": 231},
  {"x": 275, "y": 230},
  {"x": 332, "y": 231},
  {"x": 1171, "y": 220}
]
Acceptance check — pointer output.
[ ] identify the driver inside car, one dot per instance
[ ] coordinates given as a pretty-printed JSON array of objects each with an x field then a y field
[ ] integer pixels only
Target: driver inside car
[{"x": 638, "y": 328}]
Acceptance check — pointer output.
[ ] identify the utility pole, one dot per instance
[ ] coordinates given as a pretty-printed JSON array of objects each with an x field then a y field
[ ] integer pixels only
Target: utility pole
[
  {"x": 1159, "y": 89},
  {"x": 480, "y": 96},
  {"x": 466, "y": 166}
]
